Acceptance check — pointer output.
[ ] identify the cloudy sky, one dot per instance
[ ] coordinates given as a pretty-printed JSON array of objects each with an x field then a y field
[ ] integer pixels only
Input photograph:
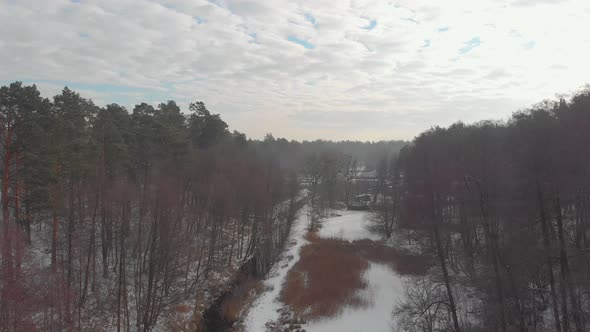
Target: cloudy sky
[{"x": 337, "y": 69}]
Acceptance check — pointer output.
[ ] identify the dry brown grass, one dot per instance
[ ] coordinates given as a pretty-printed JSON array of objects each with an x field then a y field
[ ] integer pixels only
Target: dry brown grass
[
  {"x": 182, "y": 308},
  {"x": 400, "y": 261},
  {"x": 326, "y": 278},
  {"x": 329, "y": 274}
]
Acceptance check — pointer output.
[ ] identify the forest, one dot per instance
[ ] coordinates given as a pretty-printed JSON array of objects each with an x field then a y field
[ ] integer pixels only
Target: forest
[
  {"x": 111, "y": 217},
  {"x": 505, "y": 209},
  {"x": 138, "y": 220}
]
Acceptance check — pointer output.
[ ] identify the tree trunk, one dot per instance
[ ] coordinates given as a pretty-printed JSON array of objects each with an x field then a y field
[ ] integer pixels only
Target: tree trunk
[
  {"x": 443, "y": 265},
  {"x": 547, "y": 247},
  {"x": 565, "y": 269},
  {"x": 7, "y": 246},
  {"x": 54, "y": 238}
]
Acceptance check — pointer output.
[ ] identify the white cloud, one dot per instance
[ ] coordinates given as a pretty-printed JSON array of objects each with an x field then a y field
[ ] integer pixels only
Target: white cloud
[{"x": 386, "y": 82}]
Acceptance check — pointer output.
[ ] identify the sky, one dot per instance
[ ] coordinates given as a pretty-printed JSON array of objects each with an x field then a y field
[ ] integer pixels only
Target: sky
[{"x": 305, "y": 69}]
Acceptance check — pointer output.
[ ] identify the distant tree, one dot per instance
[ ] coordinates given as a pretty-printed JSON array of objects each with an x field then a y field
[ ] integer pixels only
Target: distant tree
[
  {"x": 351, "y": 169},
  {"x": 386, "y": 201},
  {"x": 206, "y": 129}
]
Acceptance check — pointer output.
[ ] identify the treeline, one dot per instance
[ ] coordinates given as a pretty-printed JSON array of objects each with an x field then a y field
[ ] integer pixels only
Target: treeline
[
  {"x": 111, "y": 217},
  {"x": 505, "y": 210},
  {"x": 295, "y": 155},
  {"x": 335, "y": 171}
]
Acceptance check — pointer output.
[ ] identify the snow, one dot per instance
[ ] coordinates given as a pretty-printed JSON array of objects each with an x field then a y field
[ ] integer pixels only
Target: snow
[
  {"x": 384, "y": 290},
  {"x": 384, "y": 287},
  {"x": 350, "y": 226},
  {"x": 265, "y": 308}
]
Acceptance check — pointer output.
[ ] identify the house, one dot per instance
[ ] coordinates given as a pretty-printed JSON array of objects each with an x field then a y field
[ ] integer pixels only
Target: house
[{"x": 360, "y": 202}]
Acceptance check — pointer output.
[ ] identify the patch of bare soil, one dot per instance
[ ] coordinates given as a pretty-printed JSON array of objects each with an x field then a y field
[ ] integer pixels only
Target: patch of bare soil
[{"x": 402, "y": 262}]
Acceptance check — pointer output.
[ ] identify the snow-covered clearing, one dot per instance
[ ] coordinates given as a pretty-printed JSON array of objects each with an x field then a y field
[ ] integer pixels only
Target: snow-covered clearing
[
  {"x": 383, "y": 291},
  {"x": 265, "y": 308},
  {"x": 349, "y": 225},
  {"x": 384, "y": 286}
]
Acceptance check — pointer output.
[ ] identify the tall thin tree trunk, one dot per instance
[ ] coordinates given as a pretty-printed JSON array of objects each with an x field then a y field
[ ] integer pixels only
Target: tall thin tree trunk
[
  {"x": 565, "y": 269},
  {"x": 547, "y": 248},
  {"x": 443, "y": 265},
  {"x": 54, "y": 239},
  {"x": 492, "y": 243},
  {"x": 7, "y": 245}
]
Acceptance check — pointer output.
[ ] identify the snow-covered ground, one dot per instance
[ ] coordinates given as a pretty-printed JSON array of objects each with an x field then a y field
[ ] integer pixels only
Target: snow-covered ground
[
  {"x": 385, "y": 287},
  {"x": 265, "y": 308},
  {"x": 383, "y": 291},
  {"x": 349, "y": 225}
]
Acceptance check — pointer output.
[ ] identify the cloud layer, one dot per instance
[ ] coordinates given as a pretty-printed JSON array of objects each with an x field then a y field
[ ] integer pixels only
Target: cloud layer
[{"x": 358, "y": 69}]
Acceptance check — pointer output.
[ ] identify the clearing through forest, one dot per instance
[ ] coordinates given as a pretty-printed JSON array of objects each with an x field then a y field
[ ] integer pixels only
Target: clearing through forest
[{"x": 341, "y": 277}]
